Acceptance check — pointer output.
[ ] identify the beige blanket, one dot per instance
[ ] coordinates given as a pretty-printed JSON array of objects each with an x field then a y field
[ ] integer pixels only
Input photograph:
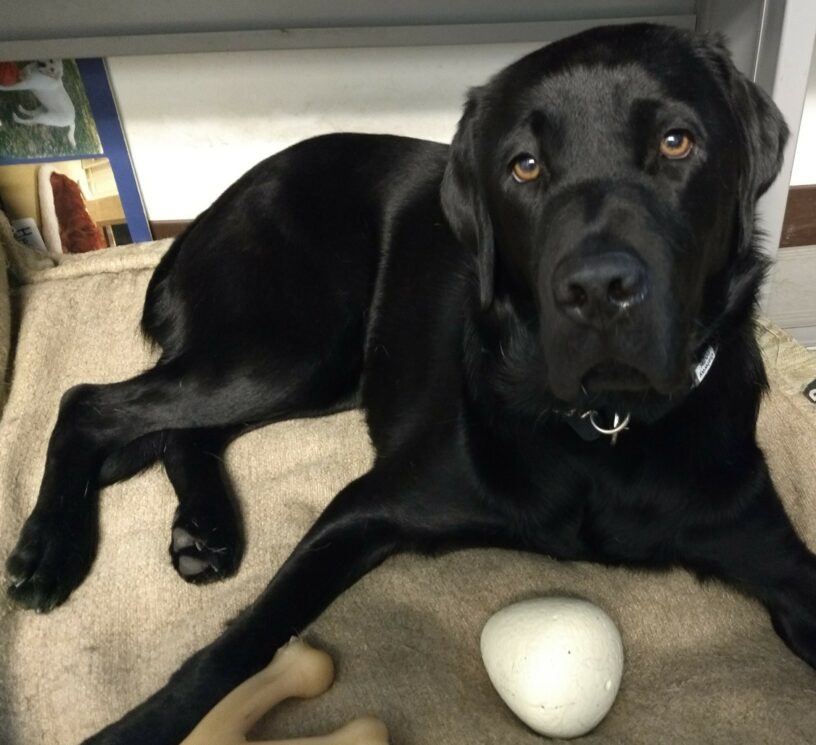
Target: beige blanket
[{"x": 702, "y": 663}]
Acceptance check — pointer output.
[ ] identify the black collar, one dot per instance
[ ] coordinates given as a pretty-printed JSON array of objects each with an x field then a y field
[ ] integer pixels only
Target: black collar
[{"x": 592, "y": 424}]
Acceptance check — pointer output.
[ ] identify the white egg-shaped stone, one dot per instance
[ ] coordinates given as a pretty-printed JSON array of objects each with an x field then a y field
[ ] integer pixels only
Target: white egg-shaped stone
[{"x": 556, "y": 662}]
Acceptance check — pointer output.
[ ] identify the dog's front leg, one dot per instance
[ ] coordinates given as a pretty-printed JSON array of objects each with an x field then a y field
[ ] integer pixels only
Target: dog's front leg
[
  {"x": 30, "y": 112},
  {"x": 383, "y": 512},
  {"x": 750, "y": 542},
  {"x": 20, "y": 120}
]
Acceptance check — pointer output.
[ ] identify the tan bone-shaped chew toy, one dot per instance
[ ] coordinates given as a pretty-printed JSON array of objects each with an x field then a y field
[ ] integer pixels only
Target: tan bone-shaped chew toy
[{"x": 297, "y": 670}]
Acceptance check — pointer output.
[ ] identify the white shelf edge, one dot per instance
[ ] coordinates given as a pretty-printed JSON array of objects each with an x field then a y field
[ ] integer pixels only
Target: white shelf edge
[{"x": 314, "y": 38}]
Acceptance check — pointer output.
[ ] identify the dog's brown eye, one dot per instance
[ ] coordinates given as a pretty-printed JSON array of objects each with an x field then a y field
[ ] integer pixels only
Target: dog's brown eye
[
  {"x": 526, "y": 168},
  {"x": 676, "y": 144}
]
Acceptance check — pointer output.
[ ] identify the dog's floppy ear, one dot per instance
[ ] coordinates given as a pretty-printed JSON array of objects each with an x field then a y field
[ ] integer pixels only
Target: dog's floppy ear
[
  {"x": 463, "y": 200},
  {"x": 763, "y": 132},
  {"x": 763, "y": 135}
]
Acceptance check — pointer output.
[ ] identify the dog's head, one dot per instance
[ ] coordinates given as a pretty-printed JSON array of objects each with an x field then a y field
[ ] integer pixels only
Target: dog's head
[
  {"x": 50, "y": 67},
  {"x": 608, "y": 184}
]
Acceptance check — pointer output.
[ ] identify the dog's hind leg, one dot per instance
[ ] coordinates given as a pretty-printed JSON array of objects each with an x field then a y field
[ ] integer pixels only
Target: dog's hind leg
[
  {"x": 58, "y": 542},
  {"x": 20, "y": 120},
  {"x": 133, "y": 458},
  {"x": 30, "y": 112},
  {"x": 48, "y": 119},
  {"x": 207, "y": 536},
  {"x": 207, "y": 540}
]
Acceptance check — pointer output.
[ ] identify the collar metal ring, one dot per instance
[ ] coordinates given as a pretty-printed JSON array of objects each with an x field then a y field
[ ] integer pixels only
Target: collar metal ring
[{"x": 618, "y": 424}]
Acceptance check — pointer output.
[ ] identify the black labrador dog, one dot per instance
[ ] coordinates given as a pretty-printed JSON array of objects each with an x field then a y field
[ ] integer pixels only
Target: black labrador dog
[{"x": 548, "y": 325}]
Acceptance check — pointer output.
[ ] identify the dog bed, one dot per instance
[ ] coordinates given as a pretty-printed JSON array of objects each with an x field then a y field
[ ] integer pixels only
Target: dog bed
[{"x": 702, "y": 662}]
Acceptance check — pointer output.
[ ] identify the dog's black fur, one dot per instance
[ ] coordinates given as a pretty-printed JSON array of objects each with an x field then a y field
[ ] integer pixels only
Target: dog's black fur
[{"x": 460, "y": 308}]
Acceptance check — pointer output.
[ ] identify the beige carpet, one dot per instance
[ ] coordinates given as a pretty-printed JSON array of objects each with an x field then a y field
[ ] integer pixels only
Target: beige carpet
[{"x": 702, "y": 663}]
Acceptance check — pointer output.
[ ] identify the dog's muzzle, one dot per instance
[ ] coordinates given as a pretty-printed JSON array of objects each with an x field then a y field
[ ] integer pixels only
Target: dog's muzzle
[{"x": 610, "y": 324}]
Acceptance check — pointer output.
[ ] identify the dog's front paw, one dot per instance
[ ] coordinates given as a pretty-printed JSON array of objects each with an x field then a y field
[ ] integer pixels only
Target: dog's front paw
[
  {"x": 796, "y": 624},
  {"x": 52, "y": 557},
  {"x": 206, "y": 548}
]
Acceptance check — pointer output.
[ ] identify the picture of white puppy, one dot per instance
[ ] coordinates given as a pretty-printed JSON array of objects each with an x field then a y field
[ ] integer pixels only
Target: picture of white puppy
[{"x": 43, "y": 79}]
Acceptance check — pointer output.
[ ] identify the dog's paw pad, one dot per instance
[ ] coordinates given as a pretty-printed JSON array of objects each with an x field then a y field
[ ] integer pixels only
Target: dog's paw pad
[
  {"x": 188, "y": 566},
  {"x": 182, "y": 539},
  {"x": 200, "y": 556}
]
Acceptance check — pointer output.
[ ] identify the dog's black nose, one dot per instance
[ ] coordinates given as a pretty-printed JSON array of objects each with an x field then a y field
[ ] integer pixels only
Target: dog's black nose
[{"x": 596, "y": 290}]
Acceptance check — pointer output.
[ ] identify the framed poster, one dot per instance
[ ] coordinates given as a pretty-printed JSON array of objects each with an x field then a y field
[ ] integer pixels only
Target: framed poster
[{"x": 66, "y": 178}]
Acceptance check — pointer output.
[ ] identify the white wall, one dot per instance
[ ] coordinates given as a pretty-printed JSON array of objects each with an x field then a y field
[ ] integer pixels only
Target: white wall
[
  {"x": 196, "y": 122},
  {"x": 804, "y": 165}
]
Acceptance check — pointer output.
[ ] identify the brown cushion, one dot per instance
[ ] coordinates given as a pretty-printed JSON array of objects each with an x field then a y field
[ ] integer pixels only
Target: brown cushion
[{"x": 702, "y": 663}]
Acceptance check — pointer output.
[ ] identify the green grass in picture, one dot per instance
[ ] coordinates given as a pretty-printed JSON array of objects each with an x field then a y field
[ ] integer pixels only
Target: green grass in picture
[{"x": 39, "y": 141}]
